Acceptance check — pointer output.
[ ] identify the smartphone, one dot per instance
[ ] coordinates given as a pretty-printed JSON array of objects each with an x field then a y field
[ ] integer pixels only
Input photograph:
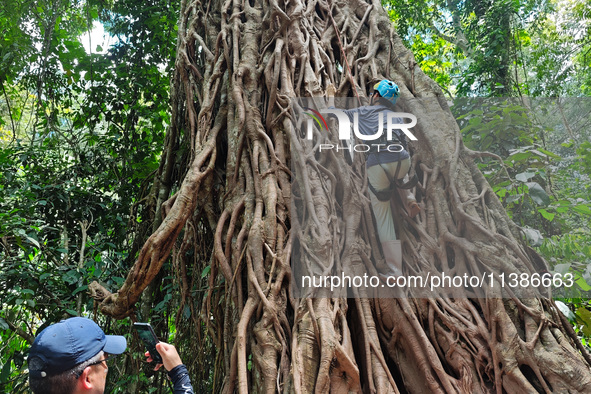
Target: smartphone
[{"x": 148, "y": 336}]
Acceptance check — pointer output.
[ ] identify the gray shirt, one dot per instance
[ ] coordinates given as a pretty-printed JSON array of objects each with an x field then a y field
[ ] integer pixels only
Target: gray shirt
[{"x": 369, "y": 124}]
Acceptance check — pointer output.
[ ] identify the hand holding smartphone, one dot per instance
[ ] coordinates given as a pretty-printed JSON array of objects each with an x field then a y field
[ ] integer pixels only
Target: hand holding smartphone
[{"x": 148, "y": 336}]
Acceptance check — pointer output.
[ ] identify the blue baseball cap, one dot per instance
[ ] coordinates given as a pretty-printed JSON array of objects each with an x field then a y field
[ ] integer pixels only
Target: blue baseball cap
[{"x": 64, "y": 345}]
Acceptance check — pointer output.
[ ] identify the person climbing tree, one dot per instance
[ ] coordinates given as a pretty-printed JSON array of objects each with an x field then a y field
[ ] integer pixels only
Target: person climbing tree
[{"x": 387, "y": 169}]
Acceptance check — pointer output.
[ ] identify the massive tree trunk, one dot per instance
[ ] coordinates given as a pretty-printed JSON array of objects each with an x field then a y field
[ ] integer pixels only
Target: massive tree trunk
[{"x": 227, "y": 164}]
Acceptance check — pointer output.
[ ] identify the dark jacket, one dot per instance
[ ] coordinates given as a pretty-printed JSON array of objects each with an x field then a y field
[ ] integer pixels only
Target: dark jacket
[{"x": 180, "y": 380}]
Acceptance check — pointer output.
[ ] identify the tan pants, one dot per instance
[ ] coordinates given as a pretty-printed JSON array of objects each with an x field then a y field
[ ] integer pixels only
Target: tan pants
[{"x": 382, "y": 209}]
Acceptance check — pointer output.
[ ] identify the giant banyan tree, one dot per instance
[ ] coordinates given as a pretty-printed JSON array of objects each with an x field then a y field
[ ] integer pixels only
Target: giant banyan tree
[{"x": 222, "y": 197}]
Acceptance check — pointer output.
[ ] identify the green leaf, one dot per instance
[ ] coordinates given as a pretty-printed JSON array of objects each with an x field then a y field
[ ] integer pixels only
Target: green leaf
[
  {"x": 78, "y": 290},
  {"x": 72, "y": 312},
  {"x": 562, "y": 307},
  {"x": 581, "y": 208},
  {"x": 186, "y": 312},
  {"x": 519, "y": 156},
  {"x": 475, "y": 121},
  {"x": 582, "y": 283},
  {"x": 547, "y": 215},
  {"x": 538, "y": 194},
  {"x": 561, "y": 269},
  {"x": 548, "y": 153},
  {"x": 205, "y": 271},
  {"x": 513, "y": 198},
  {"x": 32, "y": 240},
  {"x": 585, "y": 315},
  {"x": 5, "y": 374},
  {"x": 525, "y": 176},
  {"x": 3, "y": 324},
  {"x": 533, "y": 236},
  {"x": 160, "y": 306}
]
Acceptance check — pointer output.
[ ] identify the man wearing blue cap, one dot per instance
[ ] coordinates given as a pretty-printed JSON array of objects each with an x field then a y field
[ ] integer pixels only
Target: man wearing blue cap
[{"x": 70, "y": 357}]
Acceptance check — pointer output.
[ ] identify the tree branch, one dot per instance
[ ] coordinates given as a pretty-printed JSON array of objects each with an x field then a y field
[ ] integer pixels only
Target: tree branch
[{"x": 20, "y": 332}]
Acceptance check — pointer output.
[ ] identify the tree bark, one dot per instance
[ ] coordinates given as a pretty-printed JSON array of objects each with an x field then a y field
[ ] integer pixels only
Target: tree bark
[{"x": 238, "y": 64}]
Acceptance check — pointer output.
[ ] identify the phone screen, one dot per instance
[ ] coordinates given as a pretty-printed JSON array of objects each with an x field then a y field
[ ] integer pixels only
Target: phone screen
[{"x": 149, "y": 338}]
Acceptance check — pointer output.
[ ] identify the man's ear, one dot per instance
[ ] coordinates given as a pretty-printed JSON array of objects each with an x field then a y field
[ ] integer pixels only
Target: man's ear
[{"x": 84, "y": 381}]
